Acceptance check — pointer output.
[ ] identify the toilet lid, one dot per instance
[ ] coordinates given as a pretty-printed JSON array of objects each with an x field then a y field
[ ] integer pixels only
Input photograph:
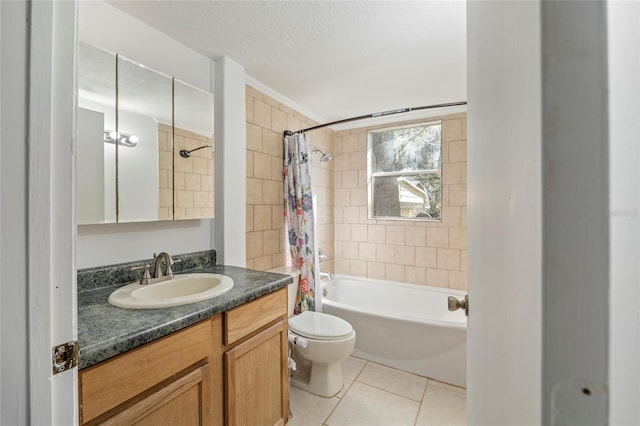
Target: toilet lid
[{"x": 316, "y": 325}]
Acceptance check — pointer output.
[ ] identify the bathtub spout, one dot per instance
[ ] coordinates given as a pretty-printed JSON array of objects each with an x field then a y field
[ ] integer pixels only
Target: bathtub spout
[{"x": 325, "y": 275}]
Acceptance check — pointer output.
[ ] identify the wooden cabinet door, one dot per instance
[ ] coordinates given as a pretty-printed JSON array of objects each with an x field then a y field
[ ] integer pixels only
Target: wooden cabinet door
[
  {"x": 184, "y": 402},
  {"x": 257, "y": 387}
]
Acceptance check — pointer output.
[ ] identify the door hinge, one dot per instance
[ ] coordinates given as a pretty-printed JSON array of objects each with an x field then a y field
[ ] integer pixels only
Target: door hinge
[{"x": 65, "y": 356}]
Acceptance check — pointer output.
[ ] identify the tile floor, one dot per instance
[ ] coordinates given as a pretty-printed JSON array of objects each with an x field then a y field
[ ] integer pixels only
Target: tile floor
[{"x": 376, "y": 395}]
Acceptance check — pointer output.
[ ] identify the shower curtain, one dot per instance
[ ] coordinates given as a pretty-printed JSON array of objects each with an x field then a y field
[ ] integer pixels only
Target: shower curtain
[{"x": 299, "y": 216}]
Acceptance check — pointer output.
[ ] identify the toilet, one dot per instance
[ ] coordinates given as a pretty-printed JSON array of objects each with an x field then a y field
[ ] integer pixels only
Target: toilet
[{"x": 330, "y": 340}]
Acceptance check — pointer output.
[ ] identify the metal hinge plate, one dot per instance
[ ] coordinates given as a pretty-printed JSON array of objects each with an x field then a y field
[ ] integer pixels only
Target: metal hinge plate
[{"x": 65, "y": 356}]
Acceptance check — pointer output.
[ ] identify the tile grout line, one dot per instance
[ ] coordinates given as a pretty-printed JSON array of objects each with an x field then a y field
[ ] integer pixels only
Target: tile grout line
[
  {"x": 424, "y": 394},
  {"x": 389, "y": 392},
  {"x": 393, "y": 393},
  {"x": 346, "y": 391},
  {"x": 402, "y": 371},
  {"x": 436, "y": 383},
  {"x": 383, "y": 390},
  {"x": 429, "y": 384},
  {"x": 449, "y": 387}
]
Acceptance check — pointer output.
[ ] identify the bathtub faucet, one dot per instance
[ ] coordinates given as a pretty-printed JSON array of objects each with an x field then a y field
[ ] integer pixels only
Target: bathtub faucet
[{"x": 325, "y": 275}]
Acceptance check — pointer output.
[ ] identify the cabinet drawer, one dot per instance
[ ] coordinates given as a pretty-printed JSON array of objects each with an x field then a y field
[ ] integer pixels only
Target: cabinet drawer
[
  {"x": 113, "y": 382},
  {"x": 245, "y": 319}
]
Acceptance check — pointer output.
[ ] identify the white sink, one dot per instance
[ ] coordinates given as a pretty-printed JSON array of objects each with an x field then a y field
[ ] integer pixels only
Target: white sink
[{"x": 181, "y": 290}]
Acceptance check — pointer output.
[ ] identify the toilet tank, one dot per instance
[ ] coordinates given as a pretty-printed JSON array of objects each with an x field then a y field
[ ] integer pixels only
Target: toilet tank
[{"x": 292, "y": 290}]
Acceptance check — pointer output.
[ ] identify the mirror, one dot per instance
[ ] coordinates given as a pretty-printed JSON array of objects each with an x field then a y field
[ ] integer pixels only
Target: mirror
[
  {"x": 96, "y": 160},
  {"x": 144, "y": 126},
  {"x": 193, "y": 152},
  {"x": 127, "y": 161}
]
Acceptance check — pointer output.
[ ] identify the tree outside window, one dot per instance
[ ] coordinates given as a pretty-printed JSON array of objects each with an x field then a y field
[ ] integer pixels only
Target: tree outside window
[{"x": 404, "y": 170}]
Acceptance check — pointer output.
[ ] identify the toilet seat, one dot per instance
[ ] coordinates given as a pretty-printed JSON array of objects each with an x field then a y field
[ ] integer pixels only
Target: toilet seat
[{"x": 320, "y": 326}]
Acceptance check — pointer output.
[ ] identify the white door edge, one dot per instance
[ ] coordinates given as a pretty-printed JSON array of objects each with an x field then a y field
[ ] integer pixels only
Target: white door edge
[{"x": 51, "y": 229}]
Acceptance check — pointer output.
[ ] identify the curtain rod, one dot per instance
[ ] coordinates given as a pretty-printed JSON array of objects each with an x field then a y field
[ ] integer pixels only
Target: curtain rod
[{"x": 375, "y": 115}]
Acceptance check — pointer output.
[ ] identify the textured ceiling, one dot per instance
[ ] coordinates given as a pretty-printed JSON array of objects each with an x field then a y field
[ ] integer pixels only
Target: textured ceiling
[{"x": 337, "y": 59}]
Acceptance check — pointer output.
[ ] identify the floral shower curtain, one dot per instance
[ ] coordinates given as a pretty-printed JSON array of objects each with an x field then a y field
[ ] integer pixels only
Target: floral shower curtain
[{"x": 299, "y": 216}]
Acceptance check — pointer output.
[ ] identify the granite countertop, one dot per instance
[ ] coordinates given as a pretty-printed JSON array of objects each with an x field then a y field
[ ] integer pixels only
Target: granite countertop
[{"x": 105, "y": 331}]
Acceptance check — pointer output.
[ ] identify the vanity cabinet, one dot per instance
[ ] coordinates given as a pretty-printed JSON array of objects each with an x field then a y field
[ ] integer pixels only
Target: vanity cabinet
[
  {"x": 256, "y": 362},
  {"x": 230, "y": 369},
  {"x": 173, "y": 377}
]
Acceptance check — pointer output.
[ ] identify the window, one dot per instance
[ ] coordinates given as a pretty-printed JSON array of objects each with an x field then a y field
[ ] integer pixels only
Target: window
[{"x": 404, "y": 172}]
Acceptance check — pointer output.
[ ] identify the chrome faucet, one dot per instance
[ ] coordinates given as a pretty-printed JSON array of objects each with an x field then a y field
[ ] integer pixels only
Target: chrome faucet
[
  {"x": 325, "y": 275},
  {"x": 168, "y": 261}
]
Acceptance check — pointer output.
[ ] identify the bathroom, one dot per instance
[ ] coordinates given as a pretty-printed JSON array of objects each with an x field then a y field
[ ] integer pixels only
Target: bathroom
[{"x": 105, "y": 244}]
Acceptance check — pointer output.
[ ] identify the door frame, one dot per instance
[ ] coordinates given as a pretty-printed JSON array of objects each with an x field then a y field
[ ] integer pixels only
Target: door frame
[
  {"x": 51, "y": 228},
  {"x": 554, "y": 232},
  {"x": 51, "y": 231}
]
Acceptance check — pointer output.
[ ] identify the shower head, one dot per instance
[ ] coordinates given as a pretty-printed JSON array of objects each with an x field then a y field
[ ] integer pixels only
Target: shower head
[
  {"x": 186, "y": 154},
  {"x": 325, "y": 157}
]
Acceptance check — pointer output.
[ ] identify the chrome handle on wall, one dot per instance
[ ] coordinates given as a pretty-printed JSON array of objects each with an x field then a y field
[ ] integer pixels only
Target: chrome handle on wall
[{"x": 455, "y": 304}]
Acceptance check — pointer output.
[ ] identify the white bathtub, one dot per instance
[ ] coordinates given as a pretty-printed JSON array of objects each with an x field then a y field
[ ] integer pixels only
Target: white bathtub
[{"x": 401, "y": 325}]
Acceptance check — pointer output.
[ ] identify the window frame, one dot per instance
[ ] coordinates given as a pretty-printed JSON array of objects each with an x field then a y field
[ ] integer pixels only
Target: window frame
[{"x": 371, "y": 175}]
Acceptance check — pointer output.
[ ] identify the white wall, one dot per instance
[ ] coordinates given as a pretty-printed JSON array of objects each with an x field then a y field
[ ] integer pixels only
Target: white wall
[
  {"x": 103, "y": 25},
  {"x": 230, "y": 162},
  {"x": 624, "y": 211},
  {"x": 123, "y": 242},
  {"x": 504, "y": 213}
]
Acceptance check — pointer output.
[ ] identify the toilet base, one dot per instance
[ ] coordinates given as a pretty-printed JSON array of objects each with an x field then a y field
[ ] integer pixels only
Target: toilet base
[{"x": 322, "y": 379}]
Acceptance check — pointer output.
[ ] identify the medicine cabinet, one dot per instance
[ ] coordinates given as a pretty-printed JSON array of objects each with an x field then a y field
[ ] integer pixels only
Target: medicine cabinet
[{"x": 144, "y": 143}]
